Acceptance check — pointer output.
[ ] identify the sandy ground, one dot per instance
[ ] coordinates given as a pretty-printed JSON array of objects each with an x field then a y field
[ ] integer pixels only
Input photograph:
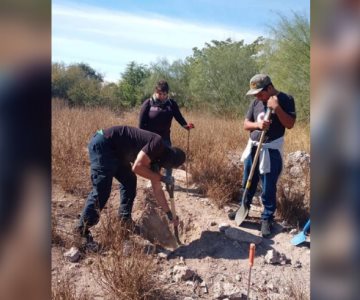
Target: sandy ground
[{"x": 220, "y": 263}]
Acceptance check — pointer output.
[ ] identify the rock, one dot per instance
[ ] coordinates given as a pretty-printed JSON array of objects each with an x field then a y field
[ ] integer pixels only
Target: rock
[
  {"x": 238, "y": 277},
  {"x": 293, "y": 231},
  {"x": 242, "y": 236},
  {"x": 274, "y": 257},
  {"x": 204, "y": 287},
  {"x": 223, "y": 227},
  {"x": 183, "y": 273},
  {"x": 227, "y": 209},
  {"x": 213, "y": 223},
  {"x": 73, "y": 255},
  {"x": 162, "y": 255},
  {"x": 284, "y": 260},
  {"x": 225, "y": 289},
  {"x": 294, "y": 184},
  {"x": 89, "y": 261},
  {"x": 297, "y": 265}
]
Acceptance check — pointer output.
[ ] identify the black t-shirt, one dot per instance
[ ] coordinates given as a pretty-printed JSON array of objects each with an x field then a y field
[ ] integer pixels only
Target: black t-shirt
[
  {"x": 156, "y": 116},
  {"x": 128, "y": 141},
  {"x": 257, "y": 111}
]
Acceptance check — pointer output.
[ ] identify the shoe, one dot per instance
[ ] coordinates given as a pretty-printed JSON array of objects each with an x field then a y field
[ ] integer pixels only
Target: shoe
[
  {"x": 85, "y": 240},
  {"x": 266, "y": 226}
]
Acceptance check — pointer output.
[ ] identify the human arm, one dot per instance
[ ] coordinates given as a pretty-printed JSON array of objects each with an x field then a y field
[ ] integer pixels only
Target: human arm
[
  {"x": 142, "y": 167},
  {"x": 177, "y": 114},
  {"x": 144, "y": 115},
  {"x": 261, "y": 125},
  {"x": 285, "y": 119}
]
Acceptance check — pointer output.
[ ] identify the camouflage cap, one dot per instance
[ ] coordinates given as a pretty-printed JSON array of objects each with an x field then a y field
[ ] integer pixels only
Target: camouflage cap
[{"x": 257, "y": 83}]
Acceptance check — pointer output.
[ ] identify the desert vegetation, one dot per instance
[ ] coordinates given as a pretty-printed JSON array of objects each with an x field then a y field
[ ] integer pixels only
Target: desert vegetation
[{"x": 209, "y": 86}]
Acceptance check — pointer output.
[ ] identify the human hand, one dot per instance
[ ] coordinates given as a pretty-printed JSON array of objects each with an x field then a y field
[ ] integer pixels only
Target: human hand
[
  {"x": 264, "y": 124},
  {"x": 189, "y": 126},
  {"x": 273, "y": 102}
]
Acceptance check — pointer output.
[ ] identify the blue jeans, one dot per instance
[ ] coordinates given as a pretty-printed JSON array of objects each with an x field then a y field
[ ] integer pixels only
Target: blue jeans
[
  {"x": 168, "y": 172},
  {"x": 268, "y": 182},
  {"x": 104, "y": 166}
]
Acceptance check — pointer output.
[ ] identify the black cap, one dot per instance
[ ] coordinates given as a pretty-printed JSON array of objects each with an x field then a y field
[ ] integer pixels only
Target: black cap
[{"x": 172, "y": 158}]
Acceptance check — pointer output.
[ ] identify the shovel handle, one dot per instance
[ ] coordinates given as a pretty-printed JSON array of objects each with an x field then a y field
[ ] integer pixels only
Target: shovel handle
[
  {"x": 251, "y": 254},
  {"x": 306, "y": 227}
]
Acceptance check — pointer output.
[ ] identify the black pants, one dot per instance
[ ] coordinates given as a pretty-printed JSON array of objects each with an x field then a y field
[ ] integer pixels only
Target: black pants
[{"x": 104, "y": 166}]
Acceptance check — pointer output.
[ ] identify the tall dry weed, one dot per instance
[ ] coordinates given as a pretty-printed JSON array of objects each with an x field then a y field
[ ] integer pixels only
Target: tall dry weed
[
  {"x": 63, "y": 288},
  {"x": 72, "y": 129},
  {"x": 214, "y": 150},
  {"x": 125, "y": 271}
]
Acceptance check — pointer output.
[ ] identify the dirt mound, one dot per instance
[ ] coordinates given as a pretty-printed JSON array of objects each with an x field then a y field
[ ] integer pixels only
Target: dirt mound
[{"x": 154, "y": 225}]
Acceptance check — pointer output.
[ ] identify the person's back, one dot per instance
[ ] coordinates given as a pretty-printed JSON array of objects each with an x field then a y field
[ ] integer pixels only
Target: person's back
[{"x": 127, "y": 142}]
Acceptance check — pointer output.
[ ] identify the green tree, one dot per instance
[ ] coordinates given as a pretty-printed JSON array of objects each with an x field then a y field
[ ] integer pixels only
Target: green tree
[
  {"x": 90, "y": 73},
  {"x": 286, "y": 58},
  {"x": 177, "y": 76},
  {"x": 220, "y": 74},
  {"x": 79, "y": 84},
  {"x": 132, "y": 84}
]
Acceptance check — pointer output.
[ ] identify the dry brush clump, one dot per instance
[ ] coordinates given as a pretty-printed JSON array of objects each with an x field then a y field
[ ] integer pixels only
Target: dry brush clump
[
  {"x": 72, "y": 129},
  {"x": 124, "y": 271},
  {"x": 64, "y": 288},
  {"x": 213, "y": 143}
]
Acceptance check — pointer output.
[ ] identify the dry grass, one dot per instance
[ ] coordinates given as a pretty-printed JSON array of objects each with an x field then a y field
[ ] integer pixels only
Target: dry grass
[
  {"x": 63, "y": 288},
  {"x": 72, "y": 129},
  {"x": 125, "y": 271},
  {"x": 214, "y": 143},
  {"x": 215, "y": 148}
]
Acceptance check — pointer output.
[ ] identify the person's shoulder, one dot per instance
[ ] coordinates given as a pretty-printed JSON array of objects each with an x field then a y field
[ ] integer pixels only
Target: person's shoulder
[
  {"x": 284, "y": 96},
  {"x": 146, "y": 102},
  {"x": 172, "y": 102}
]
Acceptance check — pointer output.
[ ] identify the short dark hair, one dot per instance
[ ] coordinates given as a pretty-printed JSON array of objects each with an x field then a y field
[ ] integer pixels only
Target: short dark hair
[
  {"x": 173, "y": 157},
  {"x": 162, "y": 86}
]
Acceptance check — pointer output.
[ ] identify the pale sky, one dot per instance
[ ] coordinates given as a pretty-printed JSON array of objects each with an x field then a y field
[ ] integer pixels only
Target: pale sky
[{"x": 110, "y": 35}]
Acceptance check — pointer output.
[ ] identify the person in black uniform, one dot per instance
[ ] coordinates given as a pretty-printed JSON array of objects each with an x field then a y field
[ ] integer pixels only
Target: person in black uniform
[
  {"x": 111, "y": 153},
  {"x": 156, "y": 115}
]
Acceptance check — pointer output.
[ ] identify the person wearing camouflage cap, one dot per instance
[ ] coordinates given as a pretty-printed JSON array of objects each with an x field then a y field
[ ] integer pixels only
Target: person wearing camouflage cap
[{"x": 270, "y": 160}]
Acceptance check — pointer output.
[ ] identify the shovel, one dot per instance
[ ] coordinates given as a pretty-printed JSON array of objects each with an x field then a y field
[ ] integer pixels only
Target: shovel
[
  {"x": 243, "y": 211},
  {"x": 301, "y": 237},
  {"x": 170, "y": 190}
]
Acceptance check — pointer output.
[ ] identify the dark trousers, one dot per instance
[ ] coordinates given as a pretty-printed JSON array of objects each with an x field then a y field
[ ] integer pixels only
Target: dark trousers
[
  {"x": 268, "y": 182},
  {"x": 168, "y": 172},
  {"x": 104, "y": 166}
]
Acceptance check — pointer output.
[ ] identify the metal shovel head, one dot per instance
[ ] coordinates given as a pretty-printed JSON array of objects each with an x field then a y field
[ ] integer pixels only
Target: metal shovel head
[
  {"x": 299, "y": 238},
  {"x": 241, "y": 214}
]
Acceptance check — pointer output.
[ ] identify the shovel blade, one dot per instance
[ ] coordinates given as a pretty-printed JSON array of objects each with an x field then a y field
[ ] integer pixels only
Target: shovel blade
[
  {"x": 241, "y": 214},
  {"x": 298, "y": 239}
]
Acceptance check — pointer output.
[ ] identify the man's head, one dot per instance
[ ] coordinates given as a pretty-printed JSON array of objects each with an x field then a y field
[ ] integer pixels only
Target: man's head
[
  {"x": 261, "y": 87},
  {"x": 173, "y": 157},
  {"x": 162, "y": 90}
]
